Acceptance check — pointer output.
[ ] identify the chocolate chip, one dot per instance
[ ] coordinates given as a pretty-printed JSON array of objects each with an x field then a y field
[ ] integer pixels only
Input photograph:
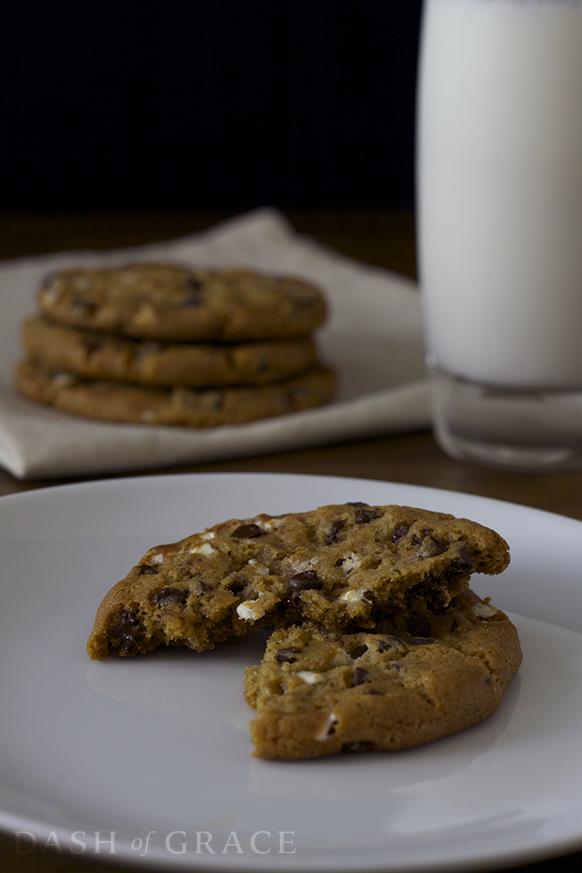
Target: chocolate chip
[
  {"x": 169, "y": 595},
  {"x": 247, "y": 531},
  {"x": 194, "y": 296},
  {"x": 85, "y": 306},
  {"x": 360, "y": 675},
  {"x": 92, "y": 345},
  {"x": 334, "y": 529},
  {"x": 362, "y": 746},
  {"x": 287, "y": 655},
  {"x": 388, "y": 645},
  {"x": 236, "y": 585},
  {"x": 426, "y": 587},
  {"x": 430, "y": 546},
  {"x": 463, "y": 563},
  {"x": 440, "y": 545},
  {"x": 417, "y": 641},
  {"x": 386, "y": 609},
  {"x": 363, "y": 516},
  {"x": 381, "y": 610},
  {"x": 399, "y": 531},
  {"x": 127, "y": 634},
  {"x": 294, "y": 601},
  {"x": 419, "y": 627},
  {"x": 209, "y": 399},
  {"x": 308, "y": 579},
  {"x": 147, "y": 570},
  {"x": 291, "y": 398}
]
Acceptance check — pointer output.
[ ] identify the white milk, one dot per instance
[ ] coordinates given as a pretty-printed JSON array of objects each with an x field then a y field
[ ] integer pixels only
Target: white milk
[{"x": 500, "y": 189}]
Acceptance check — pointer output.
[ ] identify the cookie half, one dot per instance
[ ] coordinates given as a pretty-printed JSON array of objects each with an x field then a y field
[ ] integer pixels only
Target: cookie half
[
  {"x": 319, "y": 693},
  {"x": 178, "y": 303},
  {"x": 176, "y": 407},
  {"x": 340, "y": 566},
  {"x": 196, "y": 365}
]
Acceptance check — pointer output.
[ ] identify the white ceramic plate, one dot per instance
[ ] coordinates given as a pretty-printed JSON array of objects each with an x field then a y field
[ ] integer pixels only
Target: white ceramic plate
[{"x": 147, "y": 760}]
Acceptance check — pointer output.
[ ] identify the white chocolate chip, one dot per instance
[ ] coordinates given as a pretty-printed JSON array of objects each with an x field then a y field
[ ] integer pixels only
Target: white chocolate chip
[
  {"x": 258, "y": 568},
  {"x": 352, "y": 562},
  {"x": 309, "y": 677},
  {"x": 340, "y": 658},
  {"x": 483, "y": 610},
  {"x": 156, "y": 559},
  {"x": 82, "y": 283},
  {"x": 246, "y": 610},
  {"x": 350, "y": 595},
  {"x": 269, "y": 524},
  {"x": 204, "y": 549},
  {"x": 61, "y": 380},
  {"x": 52, "y": 293},
  {"x": 328, "y": 727}
]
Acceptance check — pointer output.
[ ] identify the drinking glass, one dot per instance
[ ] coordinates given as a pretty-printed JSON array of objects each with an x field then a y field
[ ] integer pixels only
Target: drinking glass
[{"x": 499, "y": 184}]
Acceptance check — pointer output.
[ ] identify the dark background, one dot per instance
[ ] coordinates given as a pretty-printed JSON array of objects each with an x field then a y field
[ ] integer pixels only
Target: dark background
[{"x": 180, "y": 104}]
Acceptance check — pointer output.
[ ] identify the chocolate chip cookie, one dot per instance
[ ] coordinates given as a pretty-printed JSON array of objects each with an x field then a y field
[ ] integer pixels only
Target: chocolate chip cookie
[
  {"x": 182, "y": 304},
  {"x": 107, "y": 400},
  {"x": 196, "y": 365},
  {"x": 424, "y": 676},
  {"x": 342, "y": 567}
]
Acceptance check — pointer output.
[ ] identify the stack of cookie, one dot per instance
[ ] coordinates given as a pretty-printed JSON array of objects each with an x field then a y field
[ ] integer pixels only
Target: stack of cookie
[
  {"x": 378, "y": 641},
  {"x": 171, "y": 345}
]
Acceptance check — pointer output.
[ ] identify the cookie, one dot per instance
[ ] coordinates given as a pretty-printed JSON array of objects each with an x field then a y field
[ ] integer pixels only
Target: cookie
[
  {"x": 340, "y": 566},
  {"x": 182, "y": 304},
  {"x": 320, "y": 693},
  {"x": 176, "y": 407},
  {"x": 196, "y": 365}
]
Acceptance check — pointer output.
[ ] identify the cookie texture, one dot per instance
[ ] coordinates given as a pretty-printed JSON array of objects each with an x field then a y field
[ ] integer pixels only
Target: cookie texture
[
  {"x": 343, "y": 567},
  {"x": 424, "y": 676},
  {"x": 107, "y": 400},
  {"x": 179, "y": 303},
  {"x": 197, "y": 365}
]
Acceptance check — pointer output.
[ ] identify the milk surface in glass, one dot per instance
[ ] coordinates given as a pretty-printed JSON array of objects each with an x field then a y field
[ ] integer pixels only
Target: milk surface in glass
[{"x": 500, "y": 189}]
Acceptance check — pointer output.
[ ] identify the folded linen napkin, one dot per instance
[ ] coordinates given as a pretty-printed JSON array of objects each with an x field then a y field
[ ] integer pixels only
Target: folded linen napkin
[{"x": 373, "y": 338}]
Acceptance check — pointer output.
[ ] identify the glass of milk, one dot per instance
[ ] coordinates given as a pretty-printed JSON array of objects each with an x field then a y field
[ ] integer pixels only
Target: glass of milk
[{"x": 499, "y": 178}]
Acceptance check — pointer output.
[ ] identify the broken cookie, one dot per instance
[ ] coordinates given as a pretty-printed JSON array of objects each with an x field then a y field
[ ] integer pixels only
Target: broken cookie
[
  {"x": 342, "y": 567},
  {"x": 424, "y": 676}
]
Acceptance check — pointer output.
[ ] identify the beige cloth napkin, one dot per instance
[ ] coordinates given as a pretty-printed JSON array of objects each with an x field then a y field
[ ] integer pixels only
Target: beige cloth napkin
[{"x": 373, "y": 338}]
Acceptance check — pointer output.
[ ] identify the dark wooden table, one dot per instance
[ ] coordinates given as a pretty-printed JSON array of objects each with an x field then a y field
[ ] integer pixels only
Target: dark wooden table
[{"x": 384, "y": 239}]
